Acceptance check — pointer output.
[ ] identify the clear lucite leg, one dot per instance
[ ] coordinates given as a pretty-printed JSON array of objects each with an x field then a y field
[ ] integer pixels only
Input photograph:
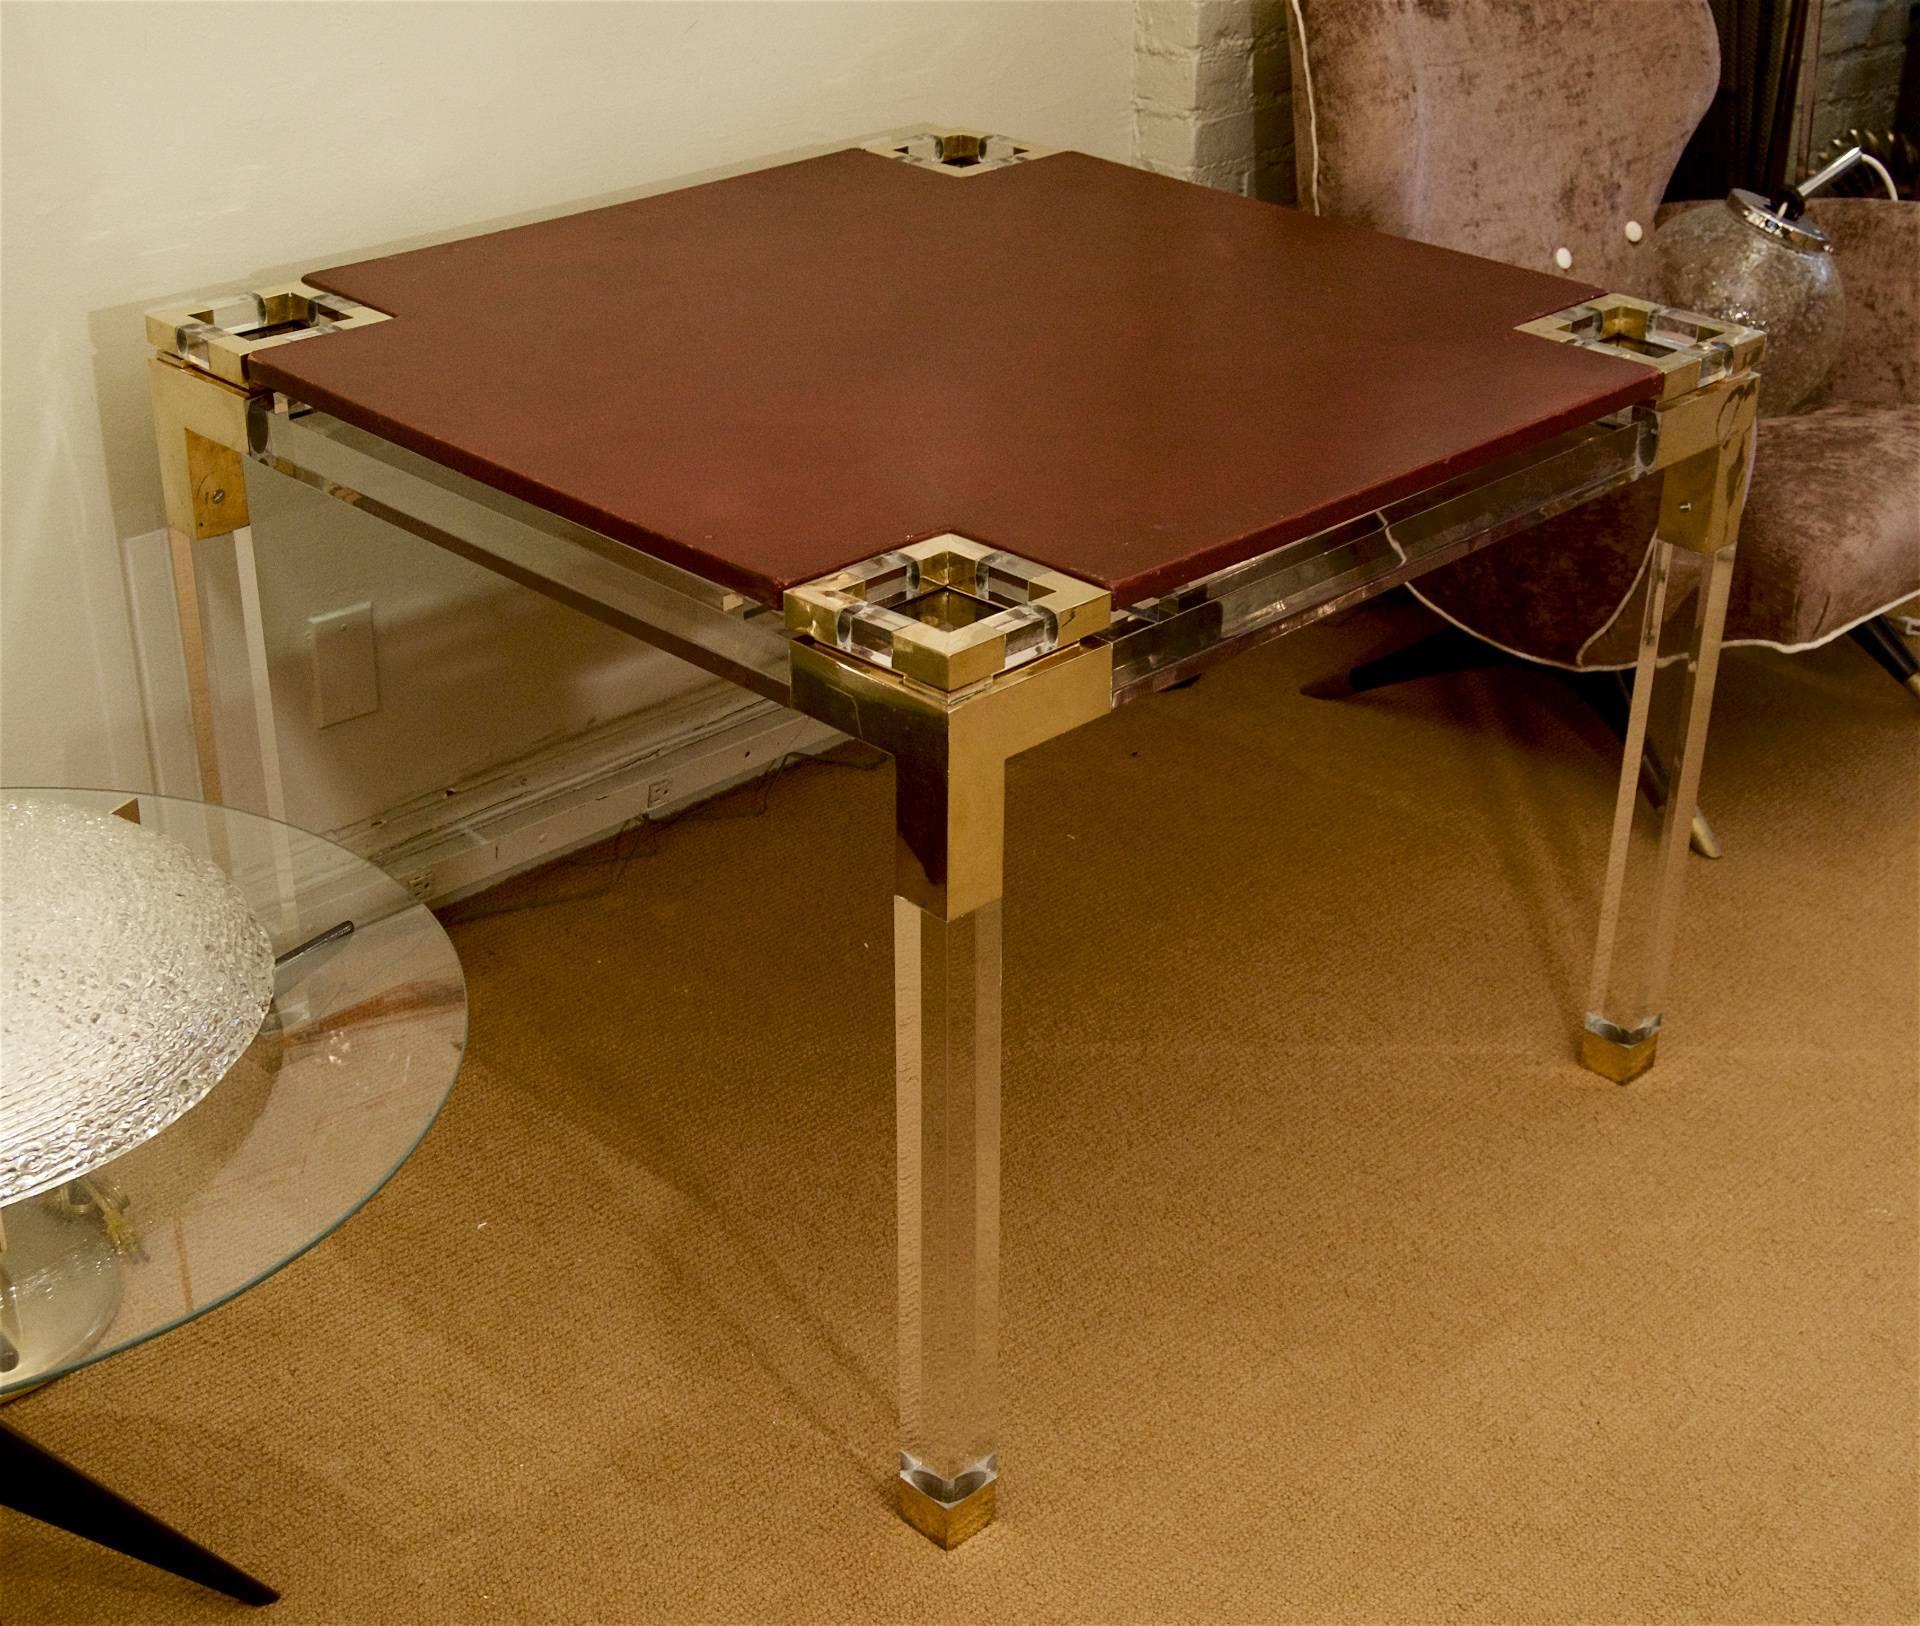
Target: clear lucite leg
[
  {"x": 947, "y": 1015},
  {"x": 950, "y": 757},
  {"x": 1646, "y": 870}
]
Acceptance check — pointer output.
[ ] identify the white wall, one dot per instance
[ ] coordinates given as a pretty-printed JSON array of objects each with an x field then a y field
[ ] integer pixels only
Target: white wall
[
  {"x": 152, "y": 151},
  {"x": 1212, "y": 94}
]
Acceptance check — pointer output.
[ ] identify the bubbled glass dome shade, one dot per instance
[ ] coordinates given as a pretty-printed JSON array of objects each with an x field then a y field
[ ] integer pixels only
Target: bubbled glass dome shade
[
  {"x": 1781, "y": 279},
  {"x": 132, "y": 976}
]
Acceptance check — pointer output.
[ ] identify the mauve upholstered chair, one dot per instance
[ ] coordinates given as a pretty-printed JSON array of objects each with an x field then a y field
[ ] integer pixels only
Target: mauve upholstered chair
[{"x": 1544, "y": 133}]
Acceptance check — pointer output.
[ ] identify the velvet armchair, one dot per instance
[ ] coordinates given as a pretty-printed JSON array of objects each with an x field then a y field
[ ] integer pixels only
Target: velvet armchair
[{"x": 1544, "y": 135}]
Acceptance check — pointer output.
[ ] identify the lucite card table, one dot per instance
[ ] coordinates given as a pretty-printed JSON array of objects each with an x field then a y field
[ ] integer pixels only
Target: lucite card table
[
  {"x": 956, "y": 444},
  {"x": 359, "y": 1046}
]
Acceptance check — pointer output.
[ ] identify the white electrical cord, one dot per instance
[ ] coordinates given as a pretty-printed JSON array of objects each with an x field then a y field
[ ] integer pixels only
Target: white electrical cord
[
  {"x": 1880, "y": 169},
  {"x": 1839, "y": 167},
  {"x": 1312, "y": 195}
]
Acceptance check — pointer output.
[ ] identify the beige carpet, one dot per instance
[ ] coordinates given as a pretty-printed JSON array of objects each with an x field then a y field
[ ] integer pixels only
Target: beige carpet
[{"x": 1334, "y": 1290}]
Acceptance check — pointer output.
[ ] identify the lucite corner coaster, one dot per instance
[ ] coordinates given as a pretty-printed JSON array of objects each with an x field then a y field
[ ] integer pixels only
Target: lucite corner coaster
[
  {"x": 132, "y": 976},
  {"x": 1686, "y": 348},
  {"x": 948, "y": 612},
  {"x": 956, "y": 152},
  {"x": 219, "y": 335}
]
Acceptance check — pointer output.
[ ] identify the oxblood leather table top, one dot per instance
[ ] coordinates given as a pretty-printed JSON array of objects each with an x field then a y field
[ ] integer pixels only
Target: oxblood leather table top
[{"x": 1119, "y": 375}]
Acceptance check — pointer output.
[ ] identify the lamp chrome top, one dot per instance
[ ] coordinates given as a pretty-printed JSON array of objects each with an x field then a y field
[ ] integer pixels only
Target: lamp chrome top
[{"x": 1802, "y": 236}]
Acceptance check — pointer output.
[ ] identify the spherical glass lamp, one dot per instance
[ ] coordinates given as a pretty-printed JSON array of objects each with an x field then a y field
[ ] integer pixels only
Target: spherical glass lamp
[
  {"x": 1764, "y": 265},
  {"x": 1744, "y": 263}
]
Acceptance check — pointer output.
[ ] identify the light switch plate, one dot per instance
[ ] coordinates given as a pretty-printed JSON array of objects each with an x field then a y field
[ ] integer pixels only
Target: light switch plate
[{"x": 346, "y": 675}]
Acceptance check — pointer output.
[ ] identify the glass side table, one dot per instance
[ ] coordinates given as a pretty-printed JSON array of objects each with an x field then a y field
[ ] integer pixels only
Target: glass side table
[{"x": 356, "y": 1054}]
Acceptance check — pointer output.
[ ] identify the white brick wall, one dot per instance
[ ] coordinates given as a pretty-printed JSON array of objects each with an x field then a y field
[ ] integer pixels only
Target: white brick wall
[
  {"x": 1211, "y": 100},
  {"x": 1863, "y": 45},
  {"x": 1210, "y": 94}
]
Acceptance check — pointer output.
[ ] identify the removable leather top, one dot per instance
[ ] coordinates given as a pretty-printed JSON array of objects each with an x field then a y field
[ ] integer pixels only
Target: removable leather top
[{"x": 1122, "y": 376}]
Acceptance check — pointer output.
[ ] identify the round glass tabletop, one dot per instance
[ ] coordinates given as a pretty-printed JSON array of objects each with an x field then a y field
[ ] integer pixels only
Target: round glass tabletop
[{"x": 357, "y": 1052}]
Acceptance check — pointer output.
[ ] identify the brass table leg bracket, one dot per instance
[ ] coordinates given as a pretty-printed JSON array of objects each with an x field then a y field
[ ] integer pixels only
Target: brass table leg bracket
[
  {"x": 950, "y": 752},
  {"x": 951, "y": 657},
  {"x": 200, "y": 386},
  {"x": 200, "y": 423},
  {"x": 1703, "y": 418},
  {"x": 1687, "y": 350}
]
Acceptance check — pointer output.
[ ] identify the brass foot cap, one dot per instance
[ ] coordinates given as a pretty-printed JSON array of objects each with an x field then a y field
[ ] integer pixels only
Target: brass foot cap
[
  {"x": 945, "y": 1523},
  {"x": 1615, "y": 1059}
]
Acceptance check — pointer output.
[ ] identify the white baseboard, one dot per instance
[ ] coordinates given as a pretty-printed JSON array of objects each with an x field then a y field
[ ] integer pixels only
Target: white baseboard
[
  {"x": 459, "y": 839},
  {"x": 454, "y": 843}
]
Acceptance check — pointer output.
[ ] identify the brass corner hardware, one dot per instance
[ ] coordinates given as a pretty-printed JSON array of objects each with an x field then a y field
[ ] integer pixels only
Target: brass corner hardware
[
  {"x": 217, "y": 336},
  {"x": 200, "y": 425},
  {"x": 951, "y": 752},
  {"x": 1688, "y": 350},
  {"x": 948, "y": 612},
  {"x": 1704, "y": 416},
  {"x": 956, "y": 152}
]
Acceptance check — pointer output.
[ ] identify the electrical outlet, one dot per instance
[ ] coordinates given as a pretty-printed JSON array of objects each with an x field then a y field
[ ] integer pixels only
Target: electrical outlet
[
  {"x": 346, "y": 674},
  {"x": 420, "y": 885},
  {"x": 658, "y": 792}
]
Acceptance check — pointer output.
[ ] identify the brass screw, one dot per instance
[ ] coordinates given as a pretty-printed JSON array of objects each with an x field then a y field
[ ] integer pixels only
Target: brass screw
[{"x": 220, "y": 496}]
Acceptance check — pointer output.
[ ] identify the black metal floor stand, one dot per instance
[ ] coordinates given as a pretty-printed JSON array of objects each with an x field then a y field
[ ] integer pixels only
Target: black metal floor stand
[
  {"x": 1448, "y": 650},
  {"x": 1609, "y": 694},
  {"x": 1881, "y": 639},
  {"x": 39, "y": 1484}
]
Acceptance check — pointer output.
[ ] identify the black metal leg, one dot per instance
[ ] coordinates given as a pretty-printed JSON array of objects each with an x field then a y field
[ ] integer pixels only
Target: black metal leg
[
  {"x": 1610, "y": 694},
  {"x": 1448, "y": 650},
  {"x": 1881, "y": 639},
  {"x": 40, "y": 1485}
]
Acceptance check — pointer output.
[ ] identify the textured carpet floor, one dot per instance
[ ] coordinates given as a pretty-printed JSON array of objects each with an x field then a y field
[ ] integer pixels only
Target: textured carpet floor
[{"x": 1335, "y": 1290}]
